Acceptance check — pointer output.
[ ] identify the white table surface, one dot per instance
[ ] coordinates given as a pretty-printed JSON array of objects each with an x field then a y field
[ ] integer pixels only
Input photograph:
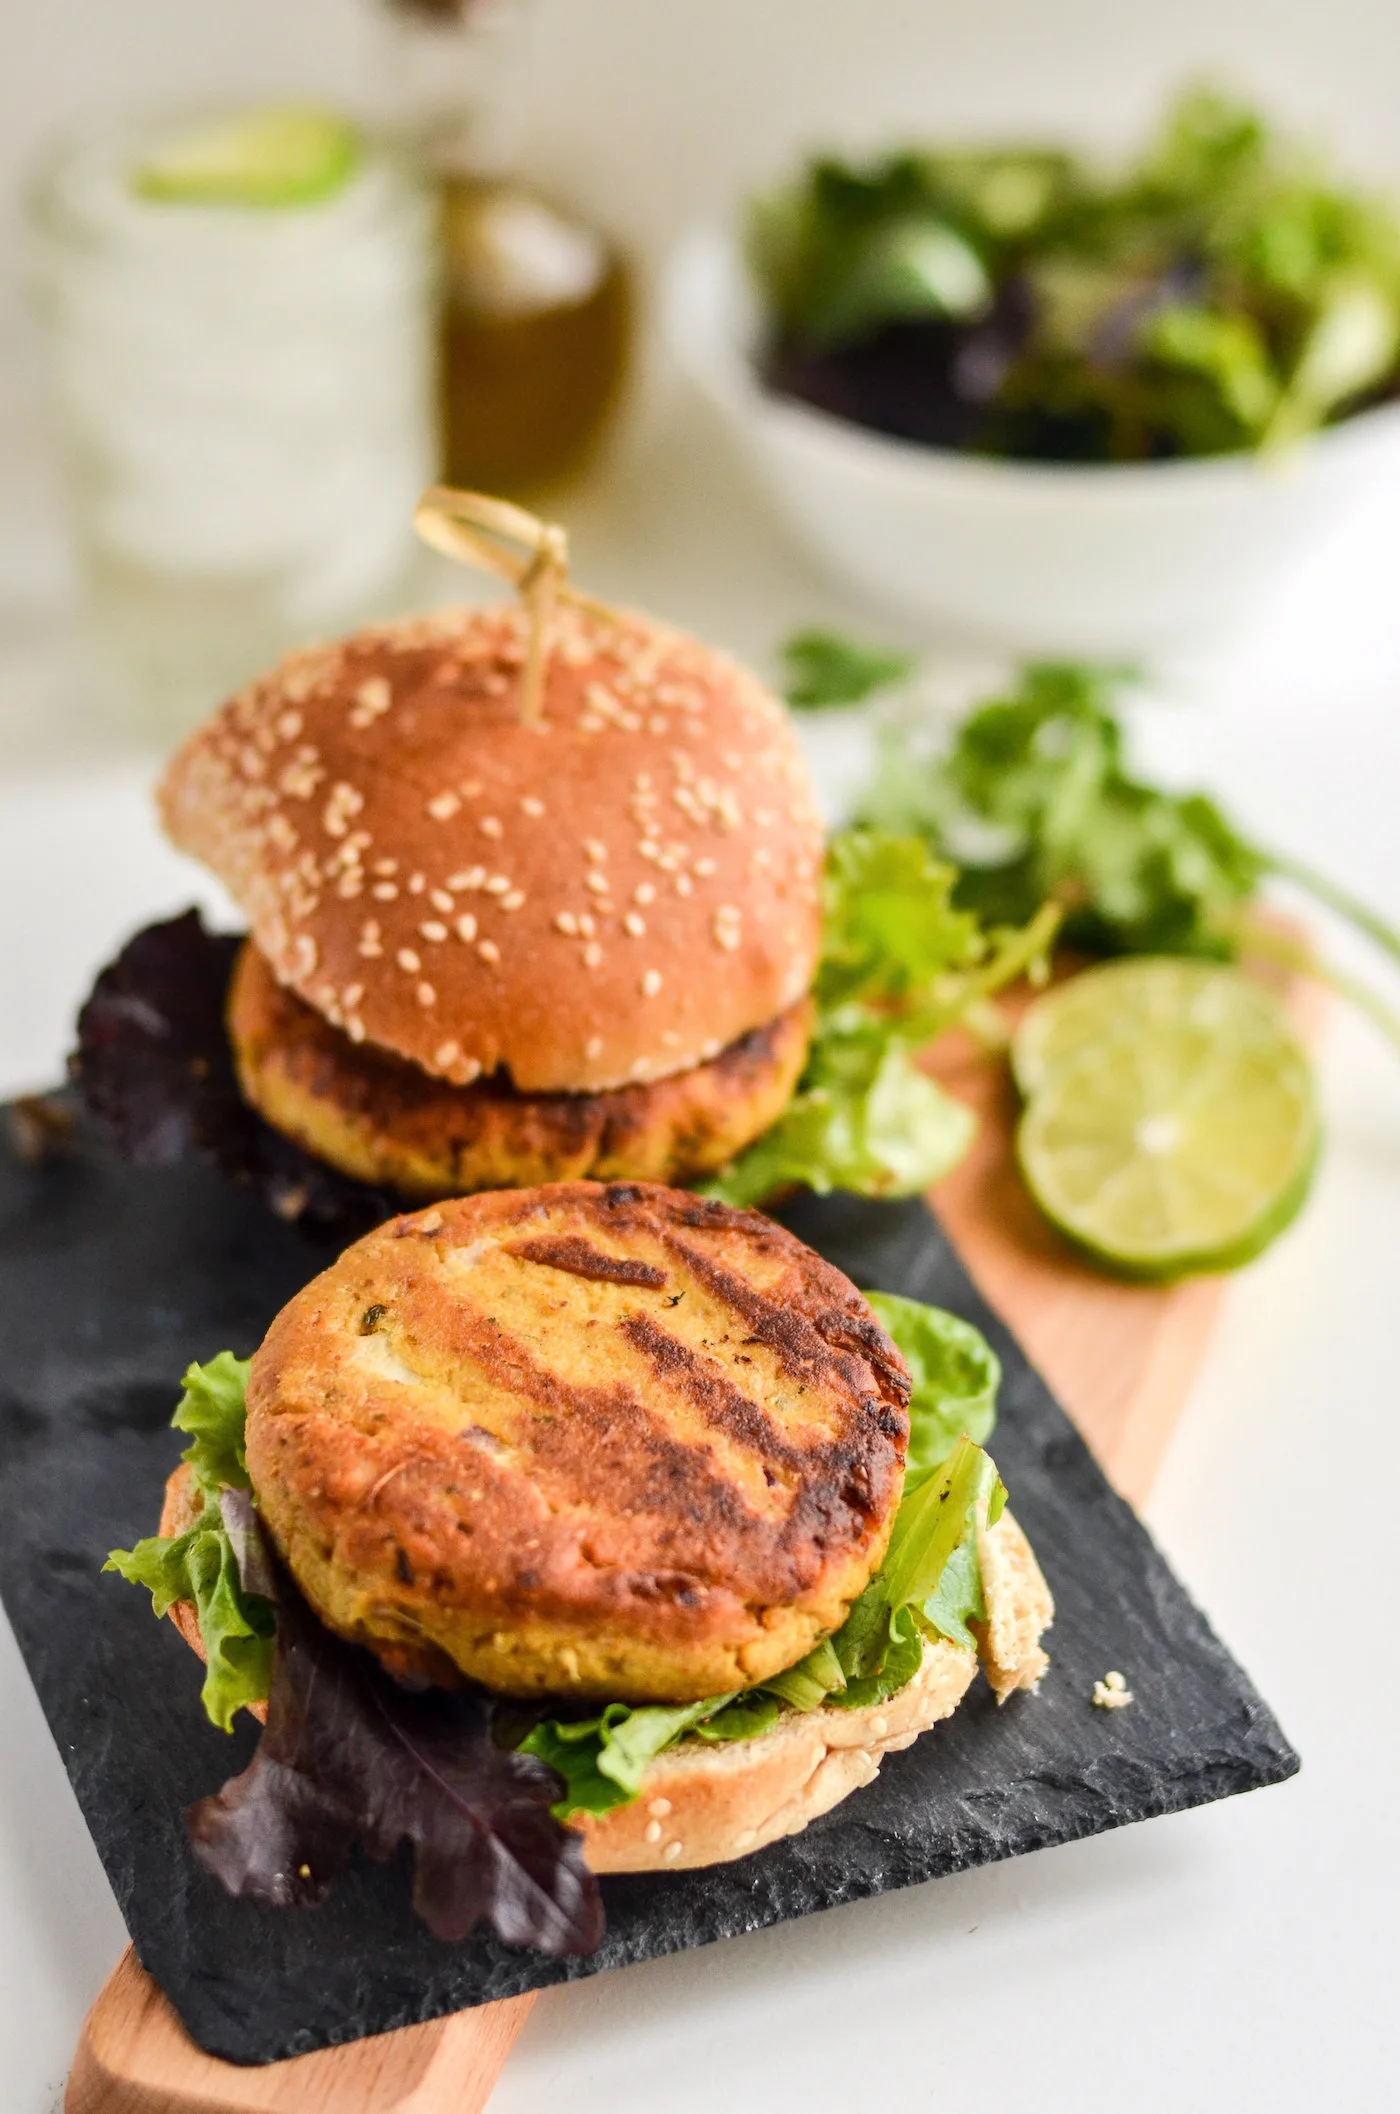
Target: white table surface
[{"x": 1237, "y": 1957}]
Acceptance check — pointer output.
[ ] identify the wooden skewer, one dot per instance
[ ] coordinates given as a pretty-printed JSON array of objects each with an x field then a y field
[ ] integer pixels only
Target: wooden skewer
[{"x": 478, "y": 530}]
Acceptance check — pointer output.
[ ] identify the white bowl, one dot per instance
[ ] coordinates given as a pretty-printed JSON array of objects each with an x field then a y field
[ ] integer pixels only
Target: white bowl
[{"x": 1111, "y": 559}]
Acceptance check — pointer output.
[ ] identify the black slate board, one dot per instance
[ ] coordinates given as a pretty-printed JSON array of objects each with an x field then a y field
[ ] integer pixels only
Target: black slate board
[{"x": 113, "y": 1278}]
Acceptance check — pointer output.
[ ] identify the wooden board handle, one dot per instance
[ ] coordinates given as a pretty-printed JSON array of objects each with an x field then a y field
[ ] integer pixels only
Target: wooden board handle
[{"x": 134, "y": 2057}]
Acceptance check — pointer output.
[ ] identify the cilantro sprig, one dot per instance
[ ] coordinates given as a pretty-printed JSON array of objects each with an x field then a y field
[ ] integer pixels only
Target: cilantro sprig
[{"x": 1034, "y": 798}]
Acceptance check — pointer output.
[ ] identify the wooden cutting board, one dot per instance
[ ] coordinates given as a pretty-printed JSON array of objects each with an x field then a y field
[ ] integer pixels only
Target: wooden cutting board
[{"x": 1121, "y": 1358}]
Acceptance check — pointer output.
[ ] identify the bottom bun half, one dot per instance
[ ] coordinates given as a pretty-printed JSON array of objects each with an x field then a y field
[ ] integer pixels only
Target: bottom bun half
[{"x": 703, "y": 1804}]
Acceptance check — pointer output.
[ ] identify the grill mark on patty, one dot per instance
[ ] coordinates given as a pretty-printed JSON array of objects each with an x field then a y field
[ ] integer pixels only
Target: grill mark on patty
[
  {"x": 719, "y": 1401},
  {"x": 566, "y": 1251},
  {"x": 803, "y": 1347},
  {"x": 604, "y": 1442}
]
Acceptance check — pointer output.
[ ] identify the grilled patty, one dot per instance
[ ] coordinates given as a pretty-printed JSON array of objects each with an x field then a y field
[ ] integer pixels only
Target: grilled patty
[
  {"x": 381, "y": 1119},
  {"x": 611, "y": 1441}
]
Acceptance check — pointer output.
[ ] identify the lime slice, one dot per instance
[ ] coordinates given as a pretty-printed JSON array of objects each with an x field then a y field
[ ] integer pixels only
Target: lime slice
[
  {"x": 287, "y": 154},
  {"x": 1170, "y": 1144},
  {"x": 1145, "y": 989}
]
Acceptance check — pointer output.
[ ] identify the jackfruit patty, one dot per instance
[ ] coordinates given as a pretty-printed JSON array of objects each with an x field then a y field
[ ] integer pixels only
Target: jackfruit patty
[
  {"x": 609, "y": 1441},
  {"x": 380, "y": 1118}
]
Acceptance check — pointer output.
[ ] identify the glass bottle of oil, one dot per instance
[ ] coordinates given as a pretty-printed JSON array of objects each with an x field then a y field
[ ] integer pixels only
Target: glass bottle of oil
[{"x": 535, "y": 303}]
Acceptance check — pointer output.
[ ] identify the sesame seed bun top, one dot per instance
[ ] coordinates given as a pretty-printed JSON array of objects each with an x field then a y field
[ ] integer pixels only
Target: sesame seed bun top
[{"x": 613, "y": 894}]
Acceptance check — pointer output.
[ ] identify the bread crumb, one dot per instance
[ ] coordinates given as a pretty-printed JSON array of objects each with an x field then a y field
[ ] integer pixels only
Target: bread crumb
[{"x": 1112, "y": 1693}]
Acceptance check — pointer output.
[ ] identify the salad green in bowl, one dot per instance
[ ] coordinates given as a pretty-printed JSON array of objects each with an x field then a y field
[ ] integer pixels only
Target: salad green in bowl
[
  {"x": 1223, "y": 291},
  {"x": 1016, "y": 401}
]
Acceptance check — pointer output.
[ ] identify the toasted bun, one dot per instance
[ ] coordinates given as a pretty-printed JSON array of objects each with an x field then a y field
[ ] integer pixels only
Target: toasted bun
[
  {"x": 580, "y": 1440},
  {"x": 708, "y": 1804},
  {"x": 382, "y": 1120},
  {"x": 611, "y": 896}
]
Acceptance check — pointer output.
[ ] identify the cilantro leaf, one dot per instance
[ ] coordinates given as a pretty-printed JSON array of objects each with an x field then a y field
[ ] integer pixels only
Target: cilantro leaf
[
  {"x": 824, "y": 668},
  {"x": 1035, "y": 796}
]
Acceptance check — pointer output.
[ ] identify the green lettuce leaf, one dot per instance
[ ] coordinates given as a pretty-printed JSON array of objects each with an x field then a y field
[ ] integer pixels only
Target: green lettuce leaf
[
  {"x": 201, "y": 1565},
  {"x": 899, "y": 965},
  {"x": 929, "y": 1585},
  {"x": 955, "y": 1372},
  {"x": 237, "y": 1627},
  {"x": 213, "y": 1409},
  {"x": 603, "y": 1760}
]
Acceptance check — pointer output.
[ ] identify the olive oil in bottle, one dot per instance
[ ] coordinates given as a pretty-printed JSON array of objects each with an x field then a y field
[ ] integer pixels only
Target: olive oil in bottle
[{"x": 534, "y": 323}]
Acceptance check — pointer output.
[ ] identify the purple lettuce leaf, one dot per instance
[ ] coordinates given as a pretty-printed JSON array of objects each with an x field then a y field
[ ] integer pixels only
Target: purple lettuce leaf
[
  {"x": 153, "y": 1063},
  {"x": 347, "y": 1756}
]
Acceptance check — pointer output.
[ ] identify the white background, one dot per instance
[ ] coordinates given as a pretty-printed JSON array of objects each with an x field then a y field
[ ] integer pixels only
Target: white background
[{"x": 1242, "y": 1957}]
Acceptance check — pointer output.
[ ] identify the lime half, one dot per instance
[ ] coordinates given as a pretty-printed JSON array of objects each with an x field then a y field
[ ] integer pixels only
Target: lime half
[
  {"x": 287, "y": 154},
  {"x": 1172, "y": 1125},
  {"x": 1140, "y": 991}
]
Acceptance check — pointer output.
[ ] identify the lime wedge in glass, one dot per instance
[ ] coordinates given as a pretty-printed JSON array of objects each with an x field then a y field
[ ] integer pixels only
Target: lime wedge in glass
[
  {"x": 1166, "y": 1139},
  {"x": 286, "y": 154}
]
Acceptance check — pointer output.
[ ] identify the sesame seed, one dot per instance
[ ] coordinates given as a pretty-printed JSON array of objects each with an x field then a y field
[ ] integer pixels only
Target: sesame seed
[
  {"x": 416, "y": 884},
  {"x": 593, "y": 1047},
  {"x": 385, "y": 866},
  {"x": 651, "y": 983},
  {"x": 597, "y": 882},
  {"x": 659, "y": 1808},
  {"x": 408, "y": 961},
  {"x": 498, "y": 885},
  {"x": 634, "y": 924},
  {"x": 644, "y": 892},
  {"x": 653, "y": 1831},
  {"x": 586, "y": 925},
  {"x": 427, "y": 996},
  {"x": 443, "y": 806},
  {"x": 514, "y": 900},
  {"x": 566, "y": 922},
  {"x": 384, "y": 891},
  {"x": 592, "y": 955},
  {"x": 683, "y": 885},
  {"x": 350, "y": 997},
  {"x": 446, "y": 1055},
  {"x": 441, "y": 900},
  {"x": 489, "y": 951},
  {"x": 350, "y": 885},
  {"x": 672, "y": 1851},
  {"x": 531, "y": 806},
  {"x": 355, "y": 1028},
  {"x": 432, "y": 930},
  {"x": 595, "y": 850},
  {"x": 705, "y": 867},
  {"x": 471, "y": 878},
  {"x": 490, "y": 827},
  {"x": 466, "y": 927}
]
